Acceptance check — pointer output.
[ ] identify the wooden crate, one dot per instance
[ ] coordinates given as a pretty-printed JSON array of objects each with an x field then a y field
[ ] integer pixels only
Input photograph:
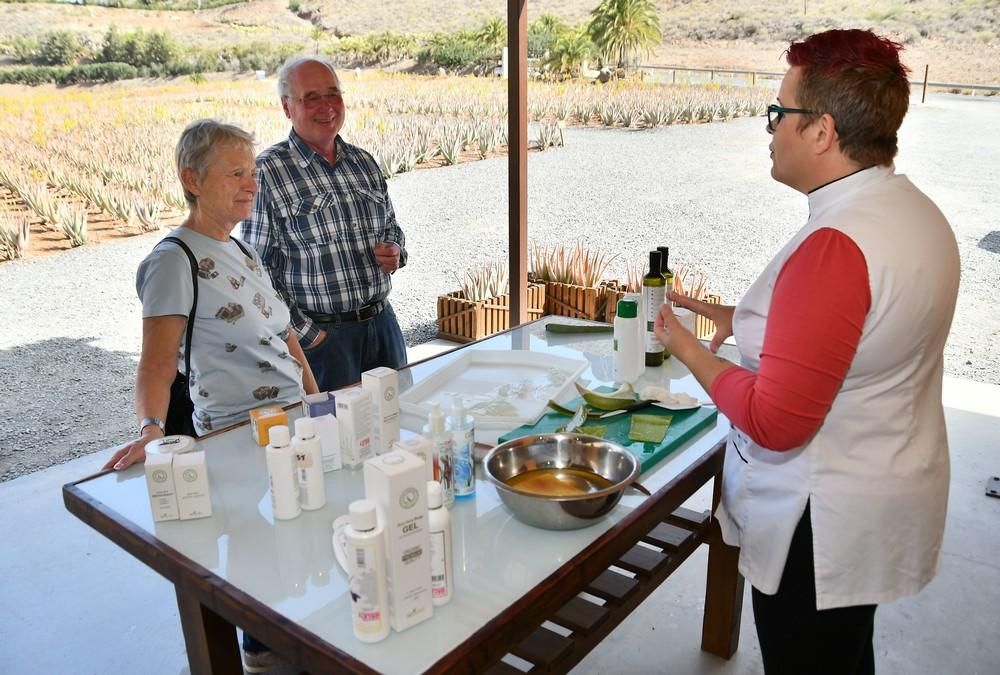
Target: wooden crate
[
  {"x": 613, "y": 292},
  {"x": 461, "y": 320},
  {"x": 704, "y": 328},
  {"x": 579, "y": 302}
]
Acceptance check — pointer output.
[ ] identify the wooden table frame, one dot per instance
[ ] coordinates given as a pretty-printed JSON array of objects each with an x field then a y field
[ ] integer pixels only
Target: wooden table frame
[
  {"x": 210, "y": 608},
  {"x": 649, "y": 543}
]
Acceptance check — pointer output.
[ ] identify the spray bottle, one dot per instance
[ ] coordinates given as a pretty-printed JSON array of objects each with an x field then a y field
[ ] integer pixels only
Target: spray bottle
[{"x": 463, "y": 431}]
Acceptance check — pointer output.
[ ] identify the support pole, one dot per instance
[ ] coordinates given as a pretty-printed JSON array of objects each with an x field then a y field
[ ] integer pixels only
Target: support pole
[
  {"x": 517, "y": 158},
  {"x": 923, "y": 96}
]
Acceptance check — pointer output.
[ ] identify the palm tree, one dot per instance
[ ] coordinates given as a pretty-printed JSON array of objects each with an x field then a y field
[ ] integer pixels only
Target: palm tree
[
  {"x": 493, "y": 35},
  {"x": 568, "y": 53},
  {"x": 622, "y": 29}
]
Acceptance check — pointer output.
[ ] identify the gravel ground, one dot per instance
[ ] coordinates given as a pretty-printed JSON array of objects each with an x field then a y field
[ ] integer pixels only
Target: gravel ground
[{"x": 71, "y": 335}]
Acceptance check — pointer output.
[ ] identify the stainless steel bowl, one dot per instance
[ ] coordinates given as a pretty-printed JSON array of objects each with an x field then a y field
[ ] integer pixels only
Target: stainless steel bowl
[{"x": 561, "y": 450}]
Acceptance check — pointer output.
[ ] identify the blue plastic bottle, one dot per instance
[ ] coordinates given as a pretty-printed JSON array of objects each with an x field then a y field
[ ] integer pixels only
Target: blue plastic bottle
[{"x": 463, "y": 429}]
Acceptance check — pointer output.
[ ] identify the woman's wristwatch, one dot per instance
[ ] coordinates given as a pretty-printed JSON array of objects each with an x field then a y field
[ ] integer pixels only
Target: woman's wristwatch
[{"x": 146, "y": 421}]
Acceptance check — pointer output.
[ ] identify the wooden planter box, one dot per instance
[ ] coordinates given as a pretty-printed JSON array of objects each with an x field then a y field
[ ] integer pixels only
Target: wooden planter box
[
  {"x": 703, "y": 328},
  {"x": 461, "y": 320},
  {"x": 613, "y": 292},
  {"x": 579, "y": 302}
]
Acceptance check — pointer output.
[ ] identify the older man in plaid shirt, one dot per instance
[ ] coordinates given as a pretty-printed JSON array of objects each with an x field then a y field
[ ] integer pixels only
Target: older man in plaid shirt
[{"x": 326, "y": 230}]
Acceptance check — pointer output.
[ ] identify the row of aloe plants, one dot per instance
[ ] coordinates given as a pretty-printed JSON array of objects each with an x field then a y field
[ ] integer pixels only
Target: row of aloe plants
[{"x": 69, "y": 153}]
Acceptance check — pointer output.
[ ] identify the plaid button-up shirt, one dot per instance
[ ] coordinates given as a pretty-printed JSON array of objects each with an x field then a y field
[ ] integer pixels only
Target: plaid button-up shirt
[{"x": 315, "y": 226}]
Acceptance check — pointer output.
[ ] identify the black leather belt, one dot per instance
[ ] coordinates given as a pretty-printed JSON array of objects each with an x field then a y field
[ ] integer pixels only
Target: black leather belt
[{"x": 363, "y": 313}]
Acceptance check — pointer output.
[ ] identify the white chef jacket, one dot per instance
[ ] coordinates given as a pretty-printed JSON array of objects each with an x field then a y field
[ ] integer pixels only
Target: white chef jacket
[{"x": 876, "y": 473}]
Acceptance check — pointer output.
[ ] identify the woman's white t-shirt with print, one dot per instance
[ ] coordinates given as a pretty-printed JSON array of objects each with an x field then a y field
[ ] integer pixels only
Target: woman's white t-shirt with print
[{"x": 239, "y": 359}]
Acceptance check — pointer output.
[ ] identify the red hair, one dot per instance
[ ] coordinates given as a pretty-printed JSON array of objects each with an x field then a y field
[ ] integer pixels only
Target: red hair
[{"x": 855, "y": 76}]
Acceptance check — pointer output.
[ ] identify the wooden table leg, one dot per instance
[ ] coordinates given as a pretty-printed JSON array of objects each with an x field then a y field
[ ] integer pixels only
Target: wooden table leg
[
  {"x": 210, "y": 639},
  {"x": 720, "y": 631}
]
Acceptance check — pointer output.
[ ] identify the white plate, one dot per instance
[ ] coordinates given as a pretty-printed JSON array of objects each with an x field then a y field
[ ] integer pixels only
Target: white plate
[
  {"x": 502, "y": 389},
  {"x": 679, "y": 402}
]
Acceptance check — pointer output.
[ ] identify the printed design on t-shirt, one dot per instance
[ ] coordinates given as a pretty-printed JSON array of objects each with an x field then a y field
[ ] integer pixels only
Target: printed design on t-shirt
[
  {"x": 230, "y": 348},
  {"x": 252, "y": 265},
  {"x": 232, "y": 312},
  {"x": 265, "y": 366},
  {"x": 206, "y": 269},
  {"x": 258, "y": 302},
  {"x": 265, "y": 341},
  {"x": 263, "y": 393},
  {"x": 204, "y": 419},
  {"x": 202, "y": 392},
  {"x": 236, "y": 283}
]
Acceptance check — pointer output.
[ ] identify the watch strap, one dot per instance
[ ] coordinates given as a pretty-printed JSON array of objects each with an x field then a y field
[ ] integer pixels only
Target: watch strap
[{"x": 147, "y": 421}]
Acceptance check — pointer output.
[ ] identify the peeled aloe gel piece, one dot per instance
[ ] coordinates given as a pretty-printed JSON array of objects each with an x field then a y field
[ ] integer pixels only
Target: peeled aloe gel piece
[{"x": 649, "y": 428}]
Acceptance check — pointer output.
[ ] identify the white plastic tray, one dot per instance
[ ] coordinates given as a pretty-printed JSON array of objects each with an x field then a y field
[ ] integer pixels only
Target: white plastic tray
[{"x": 502, "y": 389}]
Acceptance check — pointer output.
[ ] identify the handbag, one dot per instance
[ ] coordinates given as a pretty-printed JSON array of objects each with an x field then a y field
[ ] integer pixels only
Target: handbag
[{"x": 180, "y": 410}]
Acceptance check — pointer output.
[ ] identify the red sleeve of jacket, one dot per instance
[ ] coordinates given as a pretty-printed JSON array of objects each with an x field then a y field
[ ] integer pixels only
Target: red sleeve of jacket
[{"x": 814, "y": 323}]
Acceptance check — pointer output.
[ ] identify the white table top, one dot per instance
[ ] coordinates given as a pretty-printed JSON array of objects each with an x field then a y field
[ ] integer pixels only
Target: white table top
[{"x": 289, "y": 565}]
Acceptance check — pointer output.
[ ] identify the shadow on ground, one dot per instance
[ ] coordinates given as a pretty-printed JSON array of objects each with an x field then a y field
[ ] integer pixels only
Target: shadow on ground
[
  {"x": 62, "y": 398},
  {"x": 991, "y": 242}
]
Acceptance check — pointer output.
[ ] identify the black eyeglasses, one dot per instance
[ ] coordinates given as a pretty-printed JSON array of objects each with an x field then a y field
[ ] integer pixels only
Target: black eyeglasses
[
  {"x": 313, "y": 100},
  {"x": 775, "y": 113}
]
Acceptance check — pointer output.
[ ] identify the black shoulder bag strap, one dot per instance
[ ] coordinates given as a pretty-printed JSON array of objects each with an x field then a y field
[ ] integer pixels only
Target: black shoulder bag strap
[
  {"x": 194, "y": 303},
  {"x": 189, "y": 331}
]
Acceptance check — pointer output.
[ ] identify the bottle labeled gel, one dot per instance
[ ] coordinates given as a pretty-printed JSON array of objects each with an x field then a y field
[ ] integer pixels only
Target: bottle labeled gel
[
  {"x": 281, "y": 474},
  {"x": 364, "y": 542},
  {"x": 439, "y": 527},
  {"x": 309, "y": 464}
]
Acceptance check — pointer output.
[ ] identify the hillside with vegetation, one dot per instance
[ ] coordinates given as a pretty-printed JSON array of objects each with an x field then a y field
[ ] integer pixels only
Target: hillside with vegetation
[{"x": 957, "y": 38}]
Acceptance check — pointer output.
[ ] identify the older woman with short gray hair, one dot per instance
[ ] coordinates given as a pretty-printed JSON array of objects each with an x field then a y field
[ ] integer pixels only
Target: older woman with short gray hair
[{"x": 237, "y": 354}]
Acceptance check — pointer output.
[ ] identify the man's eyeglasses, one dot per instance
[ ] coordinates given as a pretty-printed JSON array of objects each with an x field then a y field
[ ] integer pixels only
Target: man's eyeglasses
[
  {"x": 775, "y": 113},
  {"x": 314, "y": 100}
]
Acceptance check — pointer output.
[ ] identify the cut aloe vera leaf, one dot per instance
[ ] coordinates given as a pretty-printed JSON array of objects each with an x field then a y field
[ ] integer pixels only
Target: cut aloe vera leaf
[
  {"x": 649, "y": 428},
  {"x": 593, "y": 430},
  {"x": 603, "y": 401}
]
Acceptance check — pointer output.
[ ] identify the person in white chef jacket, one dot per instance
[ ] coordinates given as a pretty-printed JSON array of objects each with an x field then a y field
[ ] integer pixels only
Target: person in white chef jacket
[{"x": 836, "y": 474}]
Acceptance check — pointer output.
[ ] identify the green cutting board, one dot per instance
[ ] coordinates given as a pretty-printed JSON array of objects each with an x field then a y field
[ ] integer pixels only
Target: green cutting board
[{"x": 683, "y": 427}]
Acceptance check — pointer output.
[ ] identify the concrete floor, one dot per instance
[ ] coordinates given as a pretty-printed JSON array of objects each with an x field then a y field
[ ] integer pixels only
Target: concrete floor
[{"x": 73, "y": 602}]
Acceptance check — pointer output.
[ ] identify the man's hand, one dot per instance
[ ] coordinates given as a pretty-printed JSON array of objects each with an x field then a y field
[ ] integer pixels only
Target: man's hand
[
  {"x": 387, "y": 256},
  {"x": 318, "y": 340}
]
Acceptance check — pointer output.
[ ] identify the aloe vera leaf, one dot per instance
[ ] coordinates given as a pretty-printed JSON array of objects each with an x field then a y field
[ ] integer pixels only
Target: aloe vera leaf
[
  {"x": 579, "y": 418},
  {"x": 563, "y": 410},
  {"x": 603, "y": 401},
  {"x": 649, "y": 428},
  {"x": 577, "y": 328},
  {"x": 593, "y": 430}
]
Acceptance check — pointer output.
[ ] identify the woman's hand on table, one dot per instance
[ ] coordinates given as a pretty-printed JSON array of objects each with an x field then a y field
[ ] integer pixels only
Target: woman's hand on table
[
  {"x": 135, "y": 451},
  {"x": 720, "y": 315}
]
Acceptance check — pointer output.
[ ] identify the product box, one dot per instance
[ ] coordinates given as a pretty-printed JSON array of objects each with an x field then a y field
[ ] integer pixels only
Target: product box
[
  {"x": 397, "y": 483},
  {"x": 383, "y": 385},
  {"x": 191, "y": 483},
  {"x": 422, "y": 448},
  {"x": 317, "y": 405},
  {"x": 160, "y": 483},
  {"x": 261, "y": 421},
  {"x": 329, "y": 439},
  {"x": 354, "y": 420}
]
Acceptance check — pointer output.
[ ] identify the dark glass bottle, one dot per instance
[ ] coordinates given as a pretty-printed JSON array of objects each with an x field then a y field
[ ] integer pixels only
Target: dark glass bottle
[{"x": 654, "y": 284}]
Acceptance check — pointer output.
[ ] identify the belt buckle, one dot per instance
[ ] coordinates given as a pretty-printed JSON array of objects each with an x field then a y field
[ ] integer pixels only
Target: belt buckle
[{"x": 367, "y": 312}]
